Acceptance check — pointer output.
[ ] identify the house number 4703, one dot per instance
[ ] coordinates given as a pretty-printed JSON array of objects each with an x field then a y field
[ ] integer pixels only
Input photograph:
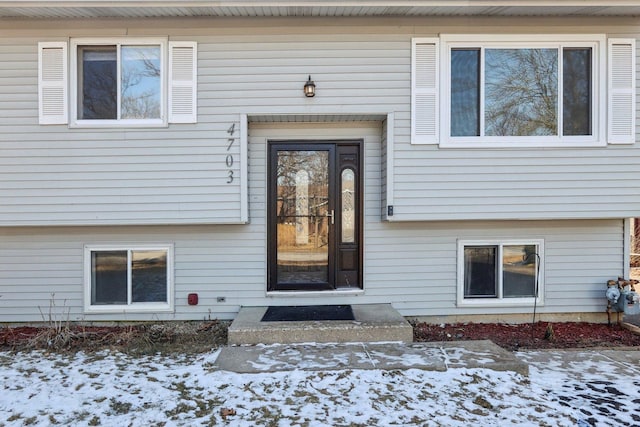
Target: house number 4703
[{"x": 228, "y": 161}]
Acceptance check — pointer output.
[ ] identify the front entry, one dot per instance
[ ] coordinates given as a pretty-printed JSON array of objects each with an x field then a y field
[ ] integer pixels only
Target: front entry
[{"x": 314, "y": 215}]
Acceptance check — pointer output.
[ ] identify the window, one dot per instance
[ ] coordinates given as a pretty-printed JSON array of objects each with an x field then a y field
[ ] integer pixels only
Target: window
[
  {"x": 112, "y": 89},
  {"x": 522, "y": 91},
  {"x": 130, "y": 279},
  {"x": 499, "y": 272},
  {"x": 118, "y": 82}
]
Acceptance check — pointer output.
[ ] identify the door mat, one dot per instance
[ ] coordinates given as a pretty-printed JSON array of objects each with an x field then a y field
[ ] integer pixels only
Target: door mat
[{"x": 307, "y": 313}]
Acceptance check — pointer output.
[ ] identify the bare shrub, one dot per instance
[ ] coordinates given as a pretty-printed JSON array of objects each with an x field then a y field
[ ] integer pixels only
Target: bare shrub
[{"x": 57, "y": 333}]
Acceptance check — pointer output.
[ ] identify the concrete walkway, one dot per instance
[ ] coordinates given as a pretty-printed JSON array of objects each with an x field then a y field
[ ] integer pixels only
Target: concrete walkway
[{"x": 387, "y": 356}]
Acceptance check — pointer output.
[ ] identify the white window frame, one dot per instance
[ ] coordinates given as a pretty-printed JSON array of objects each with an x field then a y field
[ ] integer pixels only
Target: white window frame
[
  {"x": 597, "y": 42},
  {"x": 119, "y": 41},
  {"x": 499, "y": 301},
  {"x": 131, "y": 307}
]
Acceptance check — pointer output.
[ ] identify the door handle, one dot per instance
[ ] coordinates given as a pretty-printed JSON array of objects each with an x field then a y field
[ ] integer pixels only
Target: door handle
[{"x": 331, "y": 214}]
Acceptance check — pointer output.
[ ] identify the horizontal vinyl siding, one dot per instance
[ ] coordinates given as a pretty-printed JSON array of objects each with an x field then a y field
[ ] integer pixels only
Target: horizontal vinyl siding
[
  {"x": 211, "y": 260},
  {"x": 521, "y": 184},
  {"x": 409, "y": 265},
  {"x": 431, "y": 183},
  {"x": 41, "y": 266},
  {"x": 414, "y": 264},
  {"x": 53, "y": 175},
  {"x": 56, "y": 176}
]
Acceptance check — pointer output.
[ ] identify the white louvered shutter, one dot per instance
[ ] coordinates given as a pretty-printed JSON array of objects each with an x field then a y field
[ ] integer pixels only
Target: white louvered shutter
[
  {"x": 621, "y": 92},
  {"x": 52, "y": 83},
  {"x": 183, "y": 97},
  {"x": 424, "y": 91}
]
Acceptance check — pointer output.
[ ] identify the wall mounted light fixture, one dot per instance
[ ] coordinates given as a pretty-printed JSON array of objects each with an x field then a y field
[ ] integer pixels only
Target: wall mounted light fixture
[{"x": 309, "y": 88}]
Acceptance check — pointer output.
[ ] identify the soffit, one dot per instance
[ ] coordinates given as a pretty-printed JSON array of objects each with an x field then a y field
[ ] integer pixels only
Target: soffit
[{"x": 91, "y": 9}]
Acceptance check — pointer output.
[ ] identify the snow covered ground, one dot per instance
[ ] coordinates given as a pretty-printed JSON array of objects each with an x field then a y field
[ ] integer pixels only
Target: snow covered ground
[{"x": 113, "y": 389}]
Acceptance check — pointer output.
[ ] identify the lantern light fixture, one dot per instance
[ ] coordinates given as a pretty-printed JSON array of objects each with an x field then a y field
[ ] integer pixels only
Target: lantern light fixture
[{"x": 309, "y": 88}]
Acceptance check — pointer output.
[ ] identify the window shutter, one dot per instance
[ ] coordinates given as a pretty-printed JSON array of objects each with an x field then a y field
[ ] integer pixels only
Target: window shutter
[
  {"x": 52, "y": 83},
  {"x": 622, "y": 92},
  {"x": 424, "y": 91},
  {"x": 183, "y": 88}
]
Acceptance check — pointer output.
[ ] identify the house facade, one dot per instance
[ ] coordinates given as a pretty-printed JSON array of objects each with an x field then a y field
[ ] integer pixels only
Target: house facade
[{"x": 162, "y": 160}]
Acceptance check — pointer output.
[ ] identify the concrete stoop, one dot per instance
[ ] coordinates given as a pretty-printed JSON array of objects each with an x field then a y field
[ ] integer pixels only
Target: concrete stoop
[{"x": 373, "y": 323}]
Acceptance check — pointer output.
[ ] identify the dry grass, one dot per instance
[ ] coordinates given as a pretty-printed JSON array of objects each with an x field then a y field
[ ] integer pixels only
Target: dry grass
[{"x": 142, "y": 338}]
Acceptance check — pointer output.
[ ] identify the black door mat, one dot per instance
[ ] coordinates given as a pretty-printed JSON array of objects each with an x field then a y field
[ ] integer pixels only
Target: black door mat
[{"x": 306, "y": 313}]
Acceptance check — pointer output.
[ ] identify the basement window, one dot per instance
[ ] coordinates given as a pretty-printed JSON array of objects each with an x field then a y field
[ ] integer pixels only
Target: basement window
[
  {"x": 501, "y": 273},
  {"x": 129, "y": 279}
]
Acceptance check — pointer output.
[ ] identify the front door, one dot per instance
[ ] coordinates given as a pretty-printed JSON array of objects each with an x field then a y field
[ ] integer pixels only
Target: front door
[{"x": 314, "y": 215}]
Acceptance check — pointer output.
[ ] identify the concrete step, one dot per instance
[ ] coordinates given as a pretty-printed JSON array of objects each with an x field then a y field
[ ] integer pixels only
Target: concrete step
[
  {"x": 373, "y": 323},
  {"x": 429, "y": 356}
]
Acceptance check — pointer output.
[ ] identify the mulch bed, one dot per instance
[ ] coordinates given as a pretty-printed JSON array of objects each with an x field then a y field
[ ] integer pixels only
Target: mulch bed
[
  {"x": 524, "y": 336},
  {"x": 195, "y": 337}
]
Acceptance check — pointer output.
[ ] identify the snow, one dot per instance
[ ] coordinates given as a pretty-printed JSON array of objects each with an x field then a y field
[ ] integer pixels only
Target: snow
[{"x": 113, "y": 389}]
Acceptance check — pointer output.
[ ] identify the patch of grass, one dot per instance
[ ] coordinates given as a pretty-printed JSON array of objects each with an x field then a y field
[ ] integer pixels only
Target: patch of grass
[
  {"x": 206, "y": 406},
  {"x": 183, "y": 389},
  {"x": 81, "y": 416},
  {"x": 308, "y": 397},
  {"x": 30, "y": 421},
  {"x": 119, "y": 408},
  {"x": 181, "y": 408},
  {"x": 481, "y": 401},
  {"x": 479, "y": 412},
  {"x": 267, "y": 416}
]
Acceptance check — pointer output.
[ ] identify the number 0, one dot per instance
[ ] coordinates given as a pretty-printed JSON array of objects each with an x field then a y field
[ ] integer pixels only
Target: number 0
[{"x": 229, "y": 160}]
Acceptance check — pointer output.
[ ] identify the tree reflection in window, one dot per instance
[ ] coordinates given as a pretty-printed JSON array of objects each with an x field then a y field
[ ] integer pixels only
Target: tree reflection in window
[
  {"x": 516, "y": 91},
  {"x": 140, "y": 82},
  {"x": 521, "y": 92}
]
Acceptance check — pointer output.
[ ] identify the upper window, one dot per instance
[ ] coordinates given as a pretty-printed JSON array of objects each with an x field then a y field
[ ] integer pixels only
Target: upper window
[
  {"x": 522, "y": 91},
  {"x": 130, "y": 279},
  {"x": 118, "y": 82},
  {"x": 499, "y": 272}
]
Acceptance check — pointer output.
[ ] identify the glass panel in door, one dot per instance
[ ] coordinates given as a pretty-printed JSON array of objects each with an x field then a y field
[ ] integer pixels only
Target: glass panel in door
[{"x": 303, "y": 218}]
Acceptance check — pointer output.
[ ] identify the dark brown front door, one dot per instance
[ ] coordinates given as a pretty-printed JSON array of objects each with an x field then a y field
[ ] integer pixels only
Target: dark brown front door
[{"x": 314, "y": 215}]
